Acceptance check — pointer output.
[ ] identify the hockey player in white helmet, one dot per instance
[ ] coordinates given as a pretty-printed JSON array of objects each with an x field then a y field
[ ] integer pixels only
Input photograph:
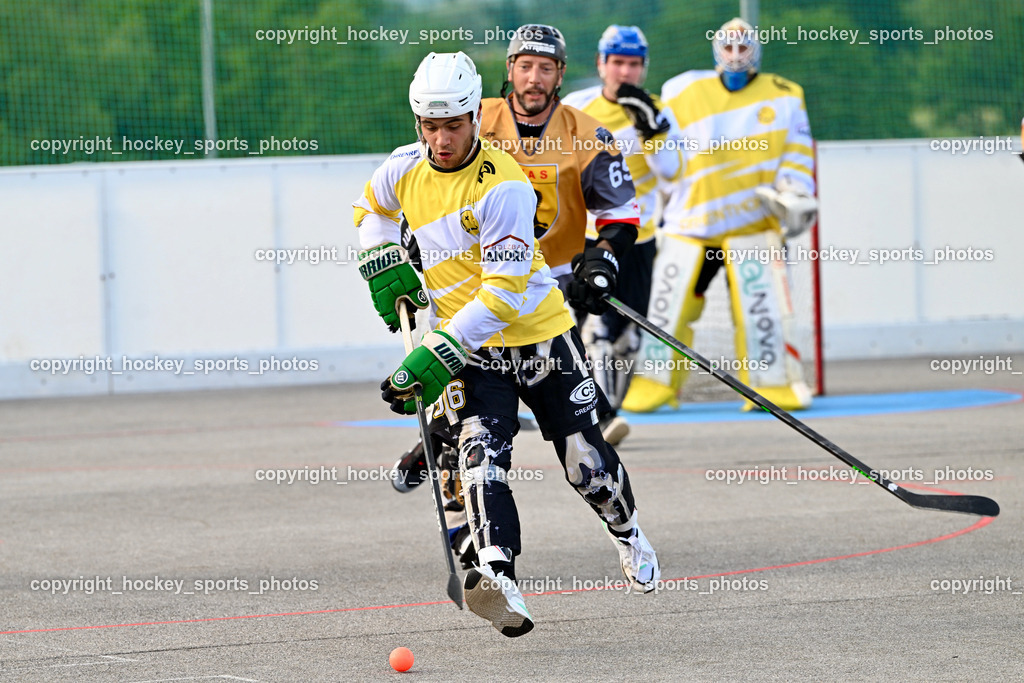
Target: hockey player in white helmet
[
  {"x": 647, "y": 134},
  {"x": 747, "y": 184},
  {"x": 500, "y": 331}
]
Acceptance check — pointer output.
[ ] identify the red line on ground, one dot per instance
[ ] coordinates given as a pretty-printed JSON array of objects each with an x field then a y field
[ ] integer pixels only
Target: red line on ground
[
  {"x": 208, "y": 619},
  {"x": 974, "y": 527},
  {"x": 985, "y": 521}
]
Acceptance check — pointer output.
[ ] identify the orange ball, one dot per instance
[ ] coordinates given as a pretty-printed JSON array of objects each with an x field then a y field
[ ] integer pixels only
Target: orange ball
[{"x": 401, "y": 659}]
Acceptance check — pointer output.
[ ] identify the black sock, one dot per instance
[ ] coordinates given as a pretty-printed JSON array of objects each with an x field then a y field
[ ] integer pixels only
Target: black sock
[{"x": 506, "y": 568}]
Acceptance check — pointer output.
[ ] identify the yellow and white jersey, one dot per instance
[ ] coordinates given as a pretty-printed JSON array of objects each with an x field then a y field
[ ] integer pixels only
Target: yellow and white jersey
[
  {"x": 482, "y": 267},
  {"x": 652, "y": 164},
  {"x": 574, "y": 168},
  {"x": 733, "y": 143}
]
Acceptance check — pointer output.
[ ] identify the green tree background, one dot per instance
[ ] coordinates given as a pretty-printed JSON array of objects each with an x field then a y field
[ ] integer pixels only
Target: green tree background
[{"x": 132, "y": 68}]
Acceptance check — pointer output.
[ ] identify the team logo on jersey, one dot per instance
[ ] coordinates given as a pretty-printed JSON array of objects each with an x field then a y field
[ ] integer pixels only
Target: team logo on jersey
[
  {"x": 766, "y": 115},
  {"x": 602, "y": 134},
  {"x": 469, "y": 222},
  {"x": 507, "y": 249},
  {"x": 584, "y": 393},
  {"x": 485, "y": 168}
]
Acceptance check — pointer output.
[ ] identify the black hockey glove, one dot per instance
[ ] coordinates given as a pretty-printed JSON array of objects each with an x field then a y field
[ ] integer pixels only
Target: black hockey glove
[
  {"x": 594, "y": 275},
  {"x": 641, "y": 110}
]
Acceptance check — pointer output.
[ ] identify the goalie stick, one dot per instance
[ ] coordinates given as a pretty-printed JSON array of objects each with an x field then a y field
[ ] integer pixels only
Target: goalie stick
[
  {"x": 454, "y": 584},
  {"x": 971, "y": 505}
]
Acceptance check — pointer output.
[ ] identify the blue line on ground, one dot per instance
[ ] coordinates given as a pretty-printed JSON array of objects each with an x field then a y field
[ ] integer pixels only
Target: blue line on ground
[{"x": 824, "y": 406}]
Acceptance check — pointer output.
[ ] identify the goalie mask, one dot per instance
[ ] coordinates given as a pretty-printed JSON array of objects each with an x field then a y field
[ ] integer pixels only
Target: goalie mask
[
  {"x": 445, "y": 85},
  {"x": 737, "y": 53}
]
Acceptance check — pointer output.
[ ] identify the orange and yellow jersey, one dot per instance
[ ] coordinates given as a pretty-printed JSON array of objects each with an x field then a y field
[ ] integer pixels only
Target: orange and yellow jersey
[
  {"x": 733, "y": 143},
  {"x": 652, "y": 164},
  {"x": 574, "y": 168},
  {"x": 482, "y": 267}
]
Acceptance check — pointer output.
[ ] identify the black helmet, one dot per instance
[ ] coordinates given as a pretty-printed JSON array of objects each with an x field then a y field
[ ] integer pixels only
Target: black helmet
[{"x": 537, "y": 39}]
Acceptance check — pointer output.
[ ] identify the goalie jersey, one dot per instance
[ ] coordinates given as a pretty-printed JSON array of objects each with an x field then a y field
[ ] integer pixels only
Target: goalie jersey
[
  {"x": 574, "y": 167},
  {"x": 482, "y": 268},
  {"x": 734, "y": 142}
]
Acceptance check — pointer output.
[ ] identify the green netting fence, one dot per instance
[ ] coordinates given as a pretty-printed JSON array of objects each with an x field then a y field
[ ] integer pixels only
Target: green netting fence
[{"x": 102, "y": 80}]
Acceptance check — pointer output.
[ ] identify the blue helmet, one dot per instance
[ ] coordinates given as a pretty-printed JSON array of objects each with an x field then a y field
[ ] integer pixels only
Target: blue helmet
[{"x": 622, "y": 40}]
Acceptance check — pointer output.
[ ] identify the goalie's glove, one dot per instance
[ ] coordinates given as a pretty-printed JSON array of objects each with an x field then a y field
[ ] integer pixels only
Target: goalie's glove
[
  {"x": 392, "y": 278},
  {"x": 795, "y": 209},
  {"x": 430, "y": 366},
  {"x": 595, "y": 272},
  {"x": 641, "y": 110}
]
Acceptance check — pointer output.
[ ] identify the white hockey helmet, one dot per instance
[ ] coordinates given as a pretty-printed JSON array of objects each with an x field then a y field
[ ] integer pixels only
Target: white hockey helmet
[{"x": 445, "y": 85}]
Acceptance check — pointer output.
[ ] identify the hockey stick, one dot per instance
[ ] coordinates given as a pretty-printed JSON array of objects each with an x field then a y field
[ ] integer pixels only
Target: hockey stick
[
  {"x": 454, "y": 584},
  {"x": 972, "y": 505}
]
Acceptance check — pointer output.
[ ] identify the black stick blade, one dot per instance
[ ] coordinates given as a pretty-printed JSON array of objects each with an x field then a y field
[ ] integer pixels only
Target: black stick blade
[
  {"x": 969, "y": 505},
  {"x": 455, "y": 589}
]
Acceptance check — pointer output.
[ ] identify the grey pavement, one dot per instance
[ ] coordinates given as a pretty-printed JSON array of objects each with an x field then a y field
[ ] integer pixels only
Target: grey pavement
[{"x": 817, "y": 580}]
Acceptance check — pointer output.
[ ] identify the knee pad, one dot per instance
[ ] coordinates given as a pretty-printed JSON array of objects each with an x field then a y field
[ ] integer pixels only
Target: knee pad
[
  {"x": 602, "y": 487},
  {"x": 485, "y": 451},
  {"x": 587, "y": 470},
  {"x": 594, "y": 470}
]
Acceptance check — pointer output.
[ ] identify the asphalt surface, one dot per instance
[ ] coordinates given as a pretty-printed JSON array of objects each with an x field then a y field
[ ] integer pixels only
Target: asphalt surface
[{"x": 809, "y": 578}]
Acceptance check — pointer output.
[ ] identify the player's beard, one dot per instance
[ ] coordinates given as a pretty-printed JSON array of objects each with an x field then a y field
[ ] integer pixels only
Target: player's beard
[{"x": 536, "y": 108}]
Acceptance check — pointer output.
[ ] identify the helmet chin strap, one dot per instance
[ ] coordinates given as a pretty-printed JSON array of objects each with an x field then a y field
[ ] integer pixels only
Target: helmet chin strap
[{"x": 472, "y": 148}]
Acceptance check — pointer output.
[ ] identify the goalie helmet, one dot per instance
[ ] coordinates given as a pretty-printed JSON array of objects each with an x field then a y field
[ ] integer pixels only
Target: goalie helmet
[
  {"x": 737, "y": 53},
  {"x": 536, "y": 39},
  {"x": 445, "y": 85}
]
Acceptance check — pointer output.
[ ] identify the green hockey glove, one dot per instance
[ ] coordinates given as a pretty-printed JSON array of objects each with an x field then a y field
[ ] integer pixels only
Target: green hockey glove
[
  {"x": 392, "y": 278},
  {"x": 431, "y": 366}
]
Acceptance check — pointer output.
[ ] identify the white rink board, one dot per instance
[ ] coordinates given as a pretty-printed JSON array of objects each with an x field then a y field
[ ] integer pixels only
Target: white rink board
[{"x": 158, "y": 259}]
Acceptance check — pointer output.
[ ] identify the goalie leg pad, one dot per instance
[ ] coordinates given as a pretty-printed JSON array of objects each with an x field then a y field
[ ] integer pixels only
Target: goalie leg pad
[
  {"x": 674, "y": 306},
  {"x": 763, "y": 317}
]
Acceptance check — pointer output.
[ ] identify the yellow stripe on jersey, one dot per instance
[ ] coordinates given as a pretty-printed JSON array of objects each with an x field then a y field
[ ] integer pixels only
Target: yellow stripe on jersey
[
  {"x": 360, "y": 212},
  {"x": 733, "y": 160},
  {"x": 739, "y": 141},
  {"x": 482, "y": 267}
]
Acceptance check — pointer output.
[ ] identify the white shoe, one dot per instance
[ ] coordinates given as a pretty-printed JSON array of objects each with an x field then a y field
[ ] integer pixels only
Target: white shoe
[
  {"x": 615, "y": 430},
  {"x": 498, "y": 600},
  {"x": 639, "y": 562}
]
